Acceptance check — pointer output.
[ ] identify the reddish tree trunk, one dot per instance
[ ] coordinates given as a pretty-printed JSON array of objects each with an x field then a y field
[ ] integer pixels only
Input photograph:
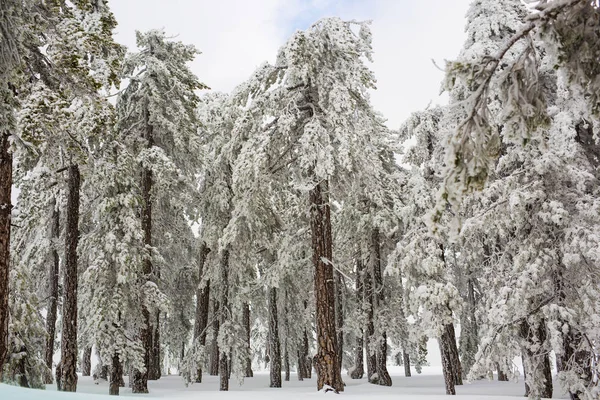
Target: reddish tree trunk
[
  {"x": 69, "y": 355},
  {"x": 326, "y": 362}
]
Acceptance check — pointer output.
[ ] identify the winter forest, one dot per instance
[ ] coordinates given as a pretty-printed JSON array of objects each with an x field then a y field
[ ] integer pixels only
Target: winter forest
[{"x": 157, "y": 234}]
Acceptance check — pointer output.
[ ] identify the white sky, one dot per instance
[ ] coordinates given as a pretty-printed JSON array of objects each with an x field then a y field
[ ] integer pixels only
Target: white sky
[{"x": 236, "y": 36}]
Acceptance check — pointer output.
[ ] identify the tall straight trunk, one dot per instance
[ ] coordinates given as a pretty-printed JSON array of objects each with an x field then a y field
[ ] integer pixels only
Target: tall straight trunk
[
  {"x": 359, "y": 367},
  {"x": 469, "y": 337},
  {"x": 453, "y": 349},
  {"x": 339, "y": 316},
  {"x": 383, "y": 376},
  {"x": 307, "y": 360},
  {"x": 116, "y": 376},
  {"x": 274, "y": 345},
  {"x": 86, "y": 361},
  {"x": 223, "y": 360},
  {"x": 370, "y": 331},
  {"x": 5, "y": 213},
  {"x": 155, "y": 370},
  {"x": 326, "y": 363},
  {"x": 406, "y": 362},
  {"x": 246, "y": 321},
  {"x": 214, "y": 358},
  {"x": 202, "y": 303},
  {"x": 286, "y": 360},
  {"x": 536, "y": 360},
  {"x": 53, "y": 277},
  {"x": 68, "y": 354}
]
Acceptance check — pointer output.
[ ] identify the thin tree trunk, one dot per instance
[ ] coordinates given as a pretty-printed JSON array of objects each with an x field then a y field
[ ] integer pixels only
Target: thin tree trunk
[
  {"x": 359, "y": 364},
  {"x": 116, "y": 376},
  {"x": 406, "y": 362},
  {"x": 339, "y": 317},
  {"x": 274, "y": 345},
  {"x": 286, "y": 360},
  {"x": 453, "y": 348},
  {"x": 155, "y": 370},
  {"x": 447, "y": 363},
  {"x": 69, "y": 356},
  {"x": 86, "y": 361},
  {"x": 326, "y": 363},
  {"x": 370, "y": 331},
  {"x": 5, "y": 217},
  {"x": 383, "y": 376},
  {"x": 223, "y": 360},
  {"x": 53, "y": 277},
  {"x": 307, "y": 360},
  {"x": 246, "y": 322},
  {"x": 214, "y": 359}
]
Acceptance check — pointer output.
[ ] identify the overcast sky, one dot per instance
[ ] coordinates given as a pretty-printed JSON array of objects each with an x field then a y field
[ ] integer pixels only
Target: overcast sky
[{"x": 236, "y": 36}]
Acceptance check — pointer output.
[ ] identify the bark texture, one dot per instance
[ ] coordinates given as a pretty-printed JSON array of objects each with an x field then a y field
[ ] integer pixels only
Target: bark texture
[
  {"x": 406, "y": 362},
  {"x": 116, "y": 376},
  {"x": 53, "y": 277},
  {"x": 326, "y": 363},
  {"x": 202, "y": 304},
  {"x": 246, "y": 321},
  {"x": 383, "y": 376},
  {"x": 274, "y": 345},
  {"x": 538, "y": 379},
  {"x": 370, "y": 329},
  {"x": 339, "y": 316},
  {"x": 68, "y": 354},
  {"x": 359, "y": 365},
  {"x": 224, "y": 358},
  {"x": 86, "y": 362},
  {"x": 214, "y": 357},
  {"x": 5, "y": 217}
]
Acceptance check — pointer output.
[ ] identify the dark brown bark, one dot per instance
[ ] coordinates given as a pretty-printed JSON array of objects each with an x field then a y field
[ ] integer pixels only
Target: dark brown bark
[
  {"x": 502, "y": 376},
  {"x": 155, "y": 370},
  {"x": 68, "y": 354},
  {"x": 116, "y": 376},
  {"x": 5, "y": 218},
  {"x": 406, "y": 362},
  {"x": 370, "y": 329},
  {"x": 359, "y": 368},
  {"x": 246, "y": 321},
  {"x": 202, "y": 306},
  {"x": 86, "y": 361},
  {"x": 140, "y": 381},
  {"x": 214, "y": 358},
  {"x": 339, "y": 316},
  {"x": 224, "y": 316},
  {"x": 53, "y": 277},
  {"x": 447, "y": 364},
  {"x": 274, "y": 345},
  {"x": 536, "y": 363},
  {"x": 326, "y": 363},
  {"x": 453, "y": 348},
  {"x": 383, "y": 376}
]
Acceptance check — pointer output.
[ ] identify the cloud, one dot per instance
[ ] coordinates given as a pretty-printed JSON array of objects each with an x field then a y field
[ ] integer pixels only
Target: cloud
[{"x": 236, "y": 36}]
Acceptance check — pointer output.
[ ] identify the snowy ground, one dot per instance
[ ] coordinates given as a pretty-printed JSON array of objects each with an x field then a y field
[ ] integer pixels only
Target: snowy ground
[{"x": 427, "y": 386}]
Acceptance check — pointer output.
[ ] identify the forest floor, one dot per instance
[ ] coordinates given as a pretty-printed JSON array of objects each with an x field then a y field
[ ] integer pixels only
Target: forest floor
[{"x": 427, "y": 386}]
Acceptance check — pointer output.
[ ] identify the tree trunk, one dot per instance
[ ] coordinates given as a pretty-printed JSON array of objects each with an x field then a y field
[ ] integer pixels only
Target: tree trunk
[
  {"x": 53, "y": 277},
  {"x": 406, "y": 362},
  {"x": 525, "y": 375},
  {"x": 202, "y": 303},
  {"x": 86, "y": 361},
  {"x": 214, "y": 358},
  {"x": 383, "y": 376},
  {"x": 224, "y": 316},
  {"x": 286, "y": 361},
  {"x": 69, "y": 356},
  {"x": 456, "y": 366},
  {"x": 536, "y": 360},
  {"x": 326, "y": 363},
  {"x": 469, "y": 336},
  {"x": 155, "y": 370},
  {"x": 246, "y": 322},
  {"x": 5, "y": 217},
  {"x": 339, "y": 316},
  {"x": 359, "y": 368},
  {"x": 502, "y": 377},
  {"x": 116, "y": 376},
  {"x": 274, "y": 345},
  {"x": 447, "y": 364},
  {"x": 140, "y": 383},
  {"x": 370, "y": 331}
]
